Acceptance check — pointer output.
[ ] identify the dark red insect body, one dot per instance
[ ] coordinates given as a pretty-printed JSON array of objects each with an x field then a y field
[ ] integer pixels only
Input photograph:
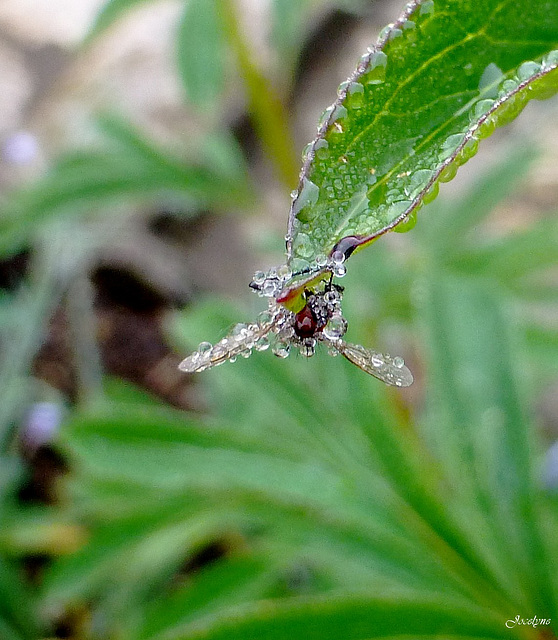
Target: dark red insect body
[{"x": 305, "y": 324}]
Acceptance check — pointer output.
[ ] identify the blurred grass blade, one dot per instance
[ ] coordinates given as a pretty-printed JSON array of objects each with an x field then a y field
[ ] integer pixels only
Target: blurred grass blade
[
  {"x": 440, "y": 79},
  {"x": 17, "y": 620},
  {"x": 131, "y": 169},
  {"x": 201, "y": 53},
  {"x": 515, "y": 256},
  {"x": 449, "y": 229},
  {"x": 33, "y": 306},
  {"x": 217, "y": 587},
  {"x": 112, "y": 11},
  {"x": 542, "y": 346},
  {"x": 149, "y": 454},
  {"x": 352, "y": 617},
  {"x": 480, "y": 430}
]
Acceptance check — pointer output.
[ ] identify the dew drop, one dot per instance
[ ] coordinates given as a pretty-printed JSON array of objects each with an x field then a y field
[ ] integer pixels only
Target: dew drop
[
  {"x": 469, "y": 150},
  {"x": 450, "y": 145},
  {"x": 281, "y": 349},
  {"x": 324, "y": 117},
  {"x": 259, "y": 277},
  {"x": 204, "y": 348},
  {"x": 431, "y": 194},
  {"x": 339, "y": 112},
  {"x": 397, "y": 208},
  {"x": 364, "y": 60},
  {"x": 299, "y": 265},
  {"x": 490, "y": 78},
  {"x": 527, "y": 70},
  {"x": 507, "y": 87},
  {"x": 321, "y": 260},
  {"x": 284, "y": 272},
  {"x": 262, "y": 344},
  {"x": 398, "y": 362},
  {"x": 303, "y": 245},
  {"x": 239, "y": 330},
  {"x": 480, "y": 108},
  {"x": 486, "y": 129},
  {"x": 307, "y": 349},
  {"x": 219, "y": 351},
  {"x": 385, "y": 31},
  {"x": 343, "y": 87},
  {"x": 550, "y": 60},
  {"x": 546, "y": 86},
  {"x": 407, "y": 223},
  {"x": 510, "y": 109},
  {"x": 355, "y": 87},
  {"x": 338, "y": 257},
  {"x": 376, "y": 72},
  {"x": 427, "y": 8},
  {"x": 335, "y": 327},
  {"x": 321, "y": 148},
  {"x": 419, "y": 179},
  {"x": 308, "y": 196},
  {"x": 270, "y": 288},
  {"x": 355, "y": 95},
  {"x": 448, "y": 172},
  {"x": 265, "y": 317}
]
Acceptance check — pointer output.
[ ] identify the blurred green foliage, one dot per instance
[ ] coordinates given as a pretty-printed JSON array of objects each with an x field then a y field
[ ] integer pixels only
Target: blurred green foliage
[{"x": 308, "y": 500}]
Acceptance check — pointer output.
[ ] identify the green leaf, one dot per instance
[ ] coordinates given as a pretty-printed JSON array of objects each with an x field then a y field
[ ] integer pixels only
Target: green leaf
[
  {"x": 439, "y": 80},
  {"x": 352, "y": 618},
  {"x": 327, "y": 394},
  {"x": 479, "y": 427},
  {"x": 349, "y": 508},
  {"x": 201, "y": 52}
]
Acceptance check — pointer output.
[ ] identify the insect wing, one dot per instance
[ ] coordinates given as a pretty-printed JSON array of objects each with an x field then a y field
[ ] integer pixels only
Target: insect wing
[
  {"x": 390, "y": 370},
  {"x": 240, "y": 342},
  {"x": 198, "y": 361}
]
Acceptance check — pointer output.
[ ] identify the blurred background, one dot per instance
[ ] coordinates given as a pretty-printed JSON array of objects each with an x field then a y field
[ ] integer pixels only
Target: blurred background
[{"x": 147, "y": 154}]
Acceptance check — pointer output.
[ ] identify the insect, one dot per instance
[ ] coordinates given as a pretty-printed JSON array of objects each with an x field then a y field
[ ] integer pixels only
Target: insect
[
  {"x": 304, "y": 309},
  {"x": 304, "y": 304}
]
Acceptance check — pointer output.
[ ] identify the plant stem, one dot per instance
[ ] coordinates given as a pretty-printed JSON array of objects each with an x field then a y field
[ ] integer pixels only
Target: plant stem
[{"x": 268, "y": 113}]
